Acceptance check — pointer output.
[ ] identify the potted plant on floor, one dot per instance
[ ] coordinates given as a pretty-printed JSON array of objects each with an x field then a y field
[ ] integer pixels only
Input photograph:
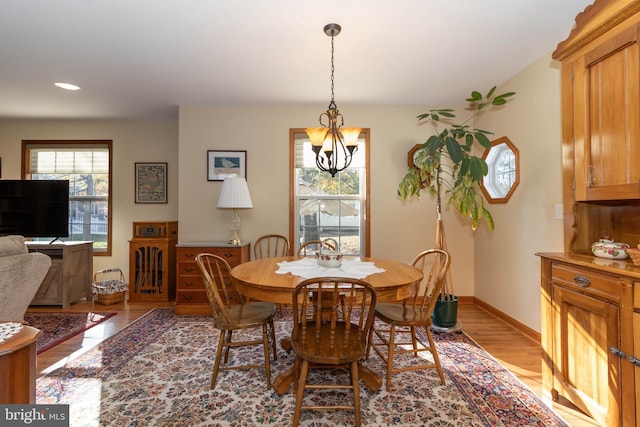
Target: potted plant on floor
[{"x": 445, "y": 166}]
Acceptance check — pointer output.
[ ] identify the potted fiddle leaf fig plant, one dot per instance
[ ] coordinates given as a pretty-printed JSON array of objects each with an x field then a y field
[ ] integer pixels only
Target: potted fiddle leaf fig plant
[{"x": 446, "y": 167}]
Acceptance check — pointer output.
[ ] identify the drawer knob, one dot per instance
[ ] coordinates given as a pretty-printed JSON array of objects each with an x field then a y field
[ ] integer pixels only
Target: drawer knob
[
  {"x": 188, "y": 284},
  {"x": 581, "y": 281},
  {"x": 188, "y": 269},
  {"x": 617, "y": 352}
]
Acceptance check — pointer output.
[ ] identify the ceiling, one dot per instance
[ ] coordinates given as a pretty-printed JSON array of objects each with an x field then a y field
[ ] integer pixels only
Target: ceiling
[{"x": 141, "y": 59}]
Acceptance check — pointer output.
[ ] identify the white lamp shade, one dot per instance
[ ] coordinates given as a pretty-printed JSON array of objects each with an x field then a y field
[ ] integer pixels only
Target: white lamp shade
[{"x": 235, "y": 193}]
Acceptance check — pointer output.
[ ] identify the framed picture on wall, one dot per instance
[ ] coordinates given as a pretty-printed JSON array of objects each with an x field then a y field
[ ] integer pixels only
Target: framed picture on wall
[
  {"x": 151, "y": 183},
  {"x": 221, "y": 164}
]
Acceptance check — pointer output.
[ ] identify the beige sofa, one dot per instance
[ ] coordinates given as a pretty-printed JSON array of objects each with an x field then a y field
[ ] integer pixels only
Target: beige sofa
[{"x": 21, "y": 274}]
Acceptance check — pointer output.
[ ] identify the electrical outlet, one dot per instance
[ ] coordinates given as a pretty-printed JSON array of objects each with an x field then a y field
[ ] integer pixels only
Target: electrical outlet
[{"x": 559, "y": 213}]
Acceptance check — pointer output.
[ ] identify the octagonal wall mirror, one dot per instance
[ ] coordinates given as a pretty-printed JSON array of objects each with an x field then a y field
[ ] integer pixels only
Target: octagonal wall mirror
[{"x": 503, "y": 160}]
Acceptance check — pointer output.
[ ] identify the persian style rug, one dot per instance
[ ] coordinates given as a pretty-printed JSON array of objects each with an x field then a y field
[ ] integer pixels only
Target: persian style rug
[
  {"x": 60, "y": 326},
  {"x": 157, "y": 371}
]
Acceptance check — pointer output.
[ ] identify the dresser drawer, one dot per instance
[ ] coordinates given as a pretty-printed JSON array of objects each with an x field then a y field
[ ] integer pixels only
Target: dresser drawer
[
  {"x": 586, "y": 281},
  {"x": 188, "y": 269},
  {"x": 186, "y": 283},
  {"x": 195, "y": 297},
  {"x": 231, "y": 255}
]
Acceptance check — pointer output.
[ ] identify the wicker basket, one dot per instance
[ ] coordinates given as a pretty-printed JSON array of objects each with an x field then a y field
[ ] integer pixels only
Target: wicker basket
[
  {"x": 634, "y": 254},
  {"x": 108, "y": 299}
]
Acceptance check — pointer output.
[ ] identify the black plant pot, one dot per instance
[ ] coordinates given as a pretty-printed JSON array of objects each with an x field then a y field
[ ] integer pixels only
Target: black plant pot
[{"x": 445, "y": 314}]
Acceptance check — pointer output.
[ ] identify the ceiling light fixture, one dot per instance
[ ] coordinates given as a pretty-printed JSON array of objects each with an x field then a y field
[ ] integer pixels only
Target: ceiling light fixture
[
  {"x": 67, "y": 86},
  {"x": 332, "y": 144}
]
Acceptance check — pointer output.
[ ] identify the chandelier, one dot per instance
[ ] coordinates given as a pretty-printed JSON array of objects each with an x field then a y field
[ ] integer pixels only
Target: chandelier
[{"x": 332, "y": 144}]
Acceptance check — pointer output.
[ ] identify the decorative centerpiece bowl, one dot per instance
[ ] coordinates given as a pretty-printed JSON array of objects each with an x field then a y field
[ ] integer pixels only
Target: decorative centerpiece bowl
[
  {"x": 328, "y": 257},
  {"x": 606, "y": 247}
]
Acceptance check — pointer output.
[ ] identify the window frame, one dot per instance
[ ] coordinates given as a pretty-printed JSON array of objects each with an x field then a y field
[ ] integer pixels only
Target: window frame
[
  {"x": 25, "y": 172},
  {"x": 491, "y": 164},
  {"x": 366, "y": 224}
]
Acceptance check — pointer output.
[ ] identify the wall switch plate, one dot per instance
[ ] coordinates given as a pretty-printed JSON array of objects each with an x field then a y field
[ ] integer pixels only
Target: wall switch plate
[{"x": 559, "y": 213}]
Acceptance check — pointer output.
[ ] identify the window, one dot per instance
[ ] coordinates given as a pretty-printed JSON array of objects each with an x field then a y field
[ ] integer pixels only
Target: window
[
  {"x": 87, "y": 166},
  {"x": 503, "y": 177},
  {"x": 324, "y": 207}
]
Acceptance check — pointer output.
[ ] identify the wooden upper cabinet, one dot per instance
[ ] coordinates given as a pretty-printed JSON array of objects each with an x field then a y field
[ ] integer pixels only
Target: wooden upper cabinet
[
  {"x": 601, "y": 102},
  {"x": 606, "y": 101}
]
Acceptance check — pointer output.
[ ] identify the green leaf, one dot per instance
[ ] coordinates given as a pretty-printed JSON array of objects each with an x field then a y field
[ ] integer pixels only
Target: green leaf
[
  {"x": 505, "y": 95},
  {"x": 475, "y": 96},
  {"x": 433, "y": 144},
  {"x": 447, "y": 113},
  {"x": 477, "y": 168},
  {"x": 488, "y": 218},
  {"x": 493, "y": 89},
  {"x": 481, "y": 105},
  {"x": 454, "y": 150},
  {"x": 482, "y": 139}
]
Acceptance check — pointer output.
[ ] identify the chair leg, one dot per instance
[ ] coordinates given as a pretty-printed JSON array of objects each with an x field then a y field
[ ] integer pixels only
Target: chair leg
[
  {"x": 265, "y": 345},
  {"x": 392, "y": 343},
  {"x": 226, "y": 351},
  {"x": 273, "y": 341},
  {"x": 369, "y": 340},
  {"x": 302, "y": 382},
  {"x": 434, "y": 352},
  {"x": 355, "y": 383},
  {"x": 414, "y": 341},
  {"x": 216, "y": 363}
]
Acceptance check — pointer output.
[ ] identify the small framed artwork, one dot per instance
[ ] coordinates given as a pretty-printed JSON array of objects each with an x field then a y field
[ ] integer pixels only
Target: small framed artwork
[
  {"x": 151, "y": 183},
  {"x": 221, "y": 164}
]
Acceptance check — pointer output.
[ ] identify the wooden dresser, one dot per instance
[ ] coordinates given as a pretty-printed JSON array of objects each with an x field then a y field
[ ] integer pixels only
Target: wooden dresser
[
  {"x": 191, "y": 297},
  {"x": 590, "y": 320}
]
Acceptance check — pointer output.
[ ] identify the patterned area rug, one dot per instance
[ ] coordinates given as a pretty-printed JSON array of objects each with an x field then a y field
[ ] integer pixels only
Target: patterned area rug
[
  {"x": 156, "y": 372},
  {"x": 60, "y": 326}
]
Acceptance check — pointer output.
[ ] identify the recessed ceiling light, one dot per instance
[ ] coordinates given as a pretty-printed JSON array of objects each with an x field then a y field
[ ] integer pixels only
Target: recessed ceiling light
[{"x": 67, "y": 86}]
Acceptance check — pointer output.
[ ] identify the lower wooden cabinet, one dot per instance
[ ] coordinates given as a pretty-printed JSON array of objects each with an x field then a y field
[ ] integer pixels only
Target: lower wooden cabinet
[
  {"x": 191, "y": 297},
  {"x": 69, "y": 277},
  {"x": 591, "y": 335}
]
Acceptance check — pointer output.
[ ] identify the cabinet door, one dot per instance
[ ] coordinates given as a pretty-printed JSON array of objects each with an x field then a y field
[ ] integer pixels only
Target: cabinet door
[
  {"x": 606, "y": 83},
  {"x": 586, "y": 370}
]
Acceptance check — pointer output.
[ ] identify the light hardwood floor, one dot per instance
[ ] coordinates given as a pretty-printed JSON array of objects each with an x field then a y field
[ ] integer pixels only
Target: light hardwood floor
[{"x": 516, "y": 351}]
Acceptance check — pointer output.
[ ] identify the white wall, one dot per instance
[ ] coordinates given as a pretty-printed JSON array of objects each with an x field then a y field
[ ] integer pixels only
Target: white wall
[
  {"x": 399, "y": 230},
  {"x": 507, "y": 272},
  {"x": 133, "y": 141}
]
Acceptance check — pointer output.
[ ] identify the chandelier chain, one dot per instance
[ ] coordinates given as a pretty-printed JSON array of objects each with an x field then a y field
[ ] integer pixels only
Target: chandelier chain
[{"x": 332, "y": 71}]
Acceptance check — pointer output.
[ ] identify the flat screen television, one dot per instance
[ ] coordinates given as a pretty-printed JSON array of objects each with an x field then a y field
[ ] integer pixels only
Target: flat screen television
[{"x": 34, "y": 208}]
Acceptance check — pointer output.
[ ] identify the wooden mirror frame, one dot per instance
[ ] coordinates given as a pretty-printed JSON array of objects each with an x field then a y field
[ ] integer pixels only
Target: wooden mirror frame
[{"x": 487, "y": 194}]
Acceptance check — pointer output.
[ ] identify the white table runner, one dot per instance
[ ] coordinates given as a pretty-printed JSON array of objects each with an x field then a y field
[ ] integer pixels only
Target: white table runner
[
  {"x": 309, "y": 268},
  {"x": 9, "y": 329}
]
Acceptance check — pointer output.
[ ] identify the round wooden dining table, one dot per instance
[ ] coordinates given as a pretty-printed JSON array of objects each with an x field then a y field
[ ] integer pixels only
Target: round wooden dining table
[{"x": 258, "y": 280}]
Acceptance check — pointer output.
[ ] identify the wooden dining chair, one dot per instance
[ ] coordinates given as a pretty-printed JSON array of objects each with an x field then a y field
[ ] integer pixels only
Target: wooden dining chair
[
  {"x": 230, "y": 313},
  {"x": 404, "y": 318},
  {"x": 328, "y": 342},
  {"x": 271, "y": 246},
  {"x": 313, "y": 246}
]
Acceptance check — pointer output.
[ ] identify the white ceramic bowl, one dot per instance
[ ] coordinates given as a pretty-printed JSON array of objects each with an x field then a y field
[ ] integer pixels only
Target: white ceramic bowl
[
  {"x": 331, "y": 259},
  {"x": 605, "y": 248}
]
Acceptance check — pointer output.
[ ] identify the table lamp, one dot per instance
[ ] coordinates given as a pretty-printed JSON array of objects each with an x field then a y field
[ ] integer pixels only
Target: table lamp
[{"x": 234, "y": 194}]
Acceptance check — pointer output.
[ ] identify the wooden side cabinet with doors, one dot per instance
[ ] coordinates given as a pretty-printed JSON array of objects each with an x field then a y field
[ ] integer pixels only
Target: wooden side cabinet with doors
[
  {"x": 587, "y": 329},
  {"x": 191, "y": 296},
  {"x": 152, "y": 261}
]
